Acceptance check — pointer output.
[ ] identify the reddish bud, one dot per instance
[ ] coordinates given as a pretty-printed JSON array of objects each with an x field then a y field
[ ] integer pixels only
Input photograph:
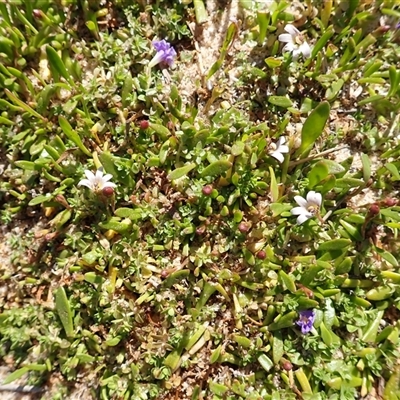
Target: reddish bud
[
  {"x": 243, "y": 227},
  {"x": 261, "y": 255},
  {"x": 108, "y": 191},
  {"x": 287, "y": 365},
  {"x": 390, "y": 202},
  {"x": 50, "y": 236},
  {"x": 37, "y": 13},
  {"x": 374, "y": 209},
  {"x": 383, "y": 29},
  {"x": 62, "y": 200},
  {"x": 144, "y": 124},
  {"x": 207, "y": 190},
  {"x": 164, "y": 273},
  {"x": 200, "y": 230}
]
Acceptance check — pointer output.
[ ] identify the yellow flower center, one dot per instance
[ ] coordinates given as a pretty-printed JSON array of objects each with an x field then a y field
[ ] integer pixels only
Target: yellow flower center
[
  {"x": 312, "y": 209},
  {"x": 299, "y": 39},
  {"x": 97, "y": 186}
]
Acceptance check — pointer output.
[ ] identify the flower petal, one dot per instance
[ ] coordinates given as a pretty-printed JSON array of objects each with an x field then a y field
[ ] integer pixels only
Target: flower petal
[
  {"x": 306, "y": 328},
  {"x": 289, "y": 47},
  {"x": 283, "y": 149},
  {"x": 107, "y": 177},
  {"x": 303, "y": 218},
  {"x": 295, "y": 53},
  {"x": 301, "y": 201},
  {"x": 161, "y": 45},
  {"x": 85, "y": 182},
  {"x": 156, "y": 59},
  {"x": 292, "y": 30},
  {"x": 285, "y": 38},
  {"x": 310, "y": 314},
  {"x": 89, "y": 174},
  {"x": 276, "y": 154},
  {"x": 99, "y": 175},
  {"x": 109, "y": 184},
  {"x": 281, "y": 141},
  {"x": 298, "y": 210},
  {"x": 314, "y": 198},
  {"x": 305, "y": 49}
]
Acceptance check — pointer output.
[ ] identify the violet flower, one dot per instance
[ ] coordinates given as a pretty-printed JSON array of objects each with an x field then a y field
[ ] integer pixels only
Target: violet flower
[
  {"x": 165, "y": 54},
  {"x": 306, "y": 321}
]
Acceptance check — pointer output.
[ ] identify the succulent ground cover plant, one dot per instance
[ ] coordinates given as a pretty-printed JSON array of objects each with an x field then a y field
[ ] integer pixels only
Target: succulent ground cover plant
[{"x": 199, "y": 200}]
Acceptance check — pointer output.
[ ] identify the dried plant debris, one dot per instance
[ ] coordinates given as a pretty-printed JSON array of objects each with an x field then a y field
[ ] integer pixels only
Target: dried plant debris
[{"x": 199, "y": 199}]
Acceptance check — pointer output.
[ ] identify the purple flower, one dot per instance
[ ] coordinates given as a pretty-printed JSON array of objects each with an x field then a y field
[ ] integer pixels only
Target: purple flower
[
  {"x": 165, "y": 54},
  {"x": 306, "y": 320}
]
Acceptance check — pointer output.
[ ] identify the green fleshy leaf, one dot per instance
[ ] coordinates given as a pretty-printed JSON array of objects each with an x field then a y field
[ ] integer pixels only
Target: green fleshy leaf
[
  {"x": 19, "y": 373},
  {"x": 314, "y": 126},
  {"x": 180, "y": 172},
  {"x": 56, "y": 63},
  {"x": 131, "y": 213},
  {"x": 372, "y": 329},
  {"x": 317, "y": 173},
  {"x": 274, "y": 186},
  {"x": 265, "y": 362},
  {"x": 23, "y": 105},
  {"x": 277, "y": 348},
  {"x": 64, "y": 311},
  {"x": 216, "y": 168},
  {"x": 335, "y": 244},
  {"x": 288, "y": 281},
  {"x": 72, "y": 135},
  {"x": 280, "y": 101}
]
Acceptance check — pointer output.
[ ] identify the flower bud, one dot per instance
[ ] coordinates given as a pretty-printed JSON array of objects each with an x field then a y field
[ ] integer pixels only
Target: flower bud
[
  {"x": 108, "y": 191},
  {"x": 62, "y": 200},
  {"x": 382, "y": 29},
  {"x": 110, "y": 234},
  {"x": 49, "y": 211},
  {"x": 50, "y": 236},
  {"x": 164, "y": 273},
  {"x": 207, "y": 190},
  {"x": 200, "y": 230},
  {"x": 390, "y": 202},
  {"x": 287, "y": 365},
  {"x": 144, "y": 124},
  {"x": 37, "y": 13},
  {"x": 374, "y": 209},
  {"x": 261, "y": 255},
  {"x": 243, "y": 227}
]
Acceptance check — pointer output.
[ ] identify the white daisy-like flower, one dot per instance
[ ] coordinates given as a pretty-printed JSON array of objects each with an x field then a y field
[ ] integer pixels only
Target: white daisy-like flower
[
  {"x": 295, "y": 42},
  {"x": 308, "y": 207},
  {"x": 97, "y": 182},
  {"x": 279, "y": 149}
]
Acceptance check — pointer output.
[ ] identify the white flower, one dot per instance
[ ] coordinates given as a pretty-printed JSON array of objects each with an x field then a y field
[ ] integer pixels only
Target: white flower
[
  {"x": 295, "y": 42},
  {"x": 97, "y": 182},
  {"x": 279, "y": 149},
  {"x": 308, "y": 208}
]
